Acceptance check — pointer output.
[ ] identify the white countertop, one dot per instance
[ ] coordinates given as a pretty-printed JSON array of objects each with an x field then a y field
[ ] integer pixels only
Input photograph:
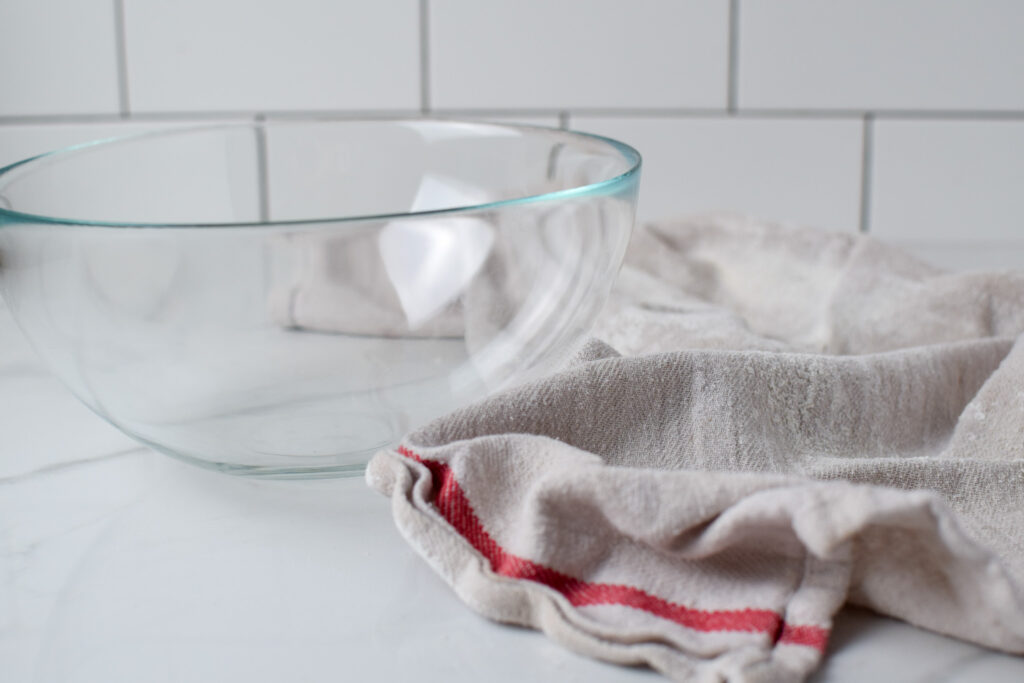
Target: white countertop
[{"x": 119, "y": 564}]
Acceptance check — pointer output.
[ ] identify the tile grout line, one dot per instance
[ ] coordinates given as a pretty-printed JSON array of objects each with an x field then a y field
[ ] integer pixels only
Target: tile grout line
[
  {"x": 867, "y": 155},
  {"x": 262, "y": 172},
  {"x": 424, "y": 56},
  {"x": 733, "y": 66},
  {"x": 120, "y": 46},
  {"x": 679, "y": 113},
  {"x": 563, "y": 119}
]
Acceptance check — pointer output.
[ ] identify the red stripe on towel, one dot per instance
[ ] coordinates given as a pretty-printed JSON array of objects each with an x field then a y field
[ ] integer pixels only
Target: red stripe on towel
[
  {"x": 811, "y": 636},
  {"x": 450, "y": 500}
]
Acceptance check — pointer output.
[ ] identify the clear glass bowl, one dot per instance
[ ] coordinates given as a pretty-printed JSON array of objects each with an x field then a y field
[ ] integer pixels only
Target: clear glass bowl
[{"x": 284, "y": 298}]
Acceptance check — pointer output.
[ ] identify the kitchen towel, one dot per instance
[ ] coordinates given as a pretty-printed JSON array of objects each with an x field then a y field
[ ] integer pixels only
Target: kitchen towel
[{"x": 774, "y": 421}]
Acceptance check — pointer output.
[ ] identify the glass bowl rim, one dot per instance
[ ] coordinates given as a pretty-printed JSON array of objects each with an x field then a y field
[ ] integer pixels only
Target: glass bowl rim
[{"x": 604, "y": 186}]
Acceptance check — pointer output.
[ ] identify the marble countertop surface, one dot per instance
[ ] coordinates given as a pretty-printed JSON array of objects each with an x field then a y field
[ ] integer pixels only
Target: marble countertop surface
[{"x": 119, "y": 564}]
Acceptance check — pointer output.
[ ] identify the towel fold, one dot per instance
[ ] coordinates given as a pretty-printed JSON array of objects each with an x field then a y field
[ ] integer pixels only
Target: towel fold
[{"x": 777, "y": 421}]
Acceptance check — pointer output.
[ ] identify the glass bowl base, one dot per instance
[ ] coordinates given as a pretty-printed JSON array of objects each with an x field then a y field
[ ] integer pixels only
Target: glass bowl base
[{"x": 325, "y": 470}]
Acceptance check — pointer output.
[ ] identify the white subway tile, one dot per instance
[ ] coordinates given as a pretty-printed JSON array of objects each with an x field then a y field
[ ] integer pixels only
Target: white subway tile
[
  {"x": 231, "y": 55},
  {"x": 57, "y": 57},
  {"x": 22, "y": 141},
  {"x": 578, "y": 53},
  {"x": 879, "y": 54},
  {"x": 967, "y": 255},
  {"x": 948, "y": 181},
  {"x": 122, "y": 193},
  {"x": 793, "y": 170}
]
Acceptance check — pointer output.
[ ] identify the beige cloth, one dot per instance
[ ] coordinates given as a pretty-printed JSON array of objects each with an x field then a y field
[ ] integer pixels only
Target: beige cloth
[{"x": 778, "y": 421}]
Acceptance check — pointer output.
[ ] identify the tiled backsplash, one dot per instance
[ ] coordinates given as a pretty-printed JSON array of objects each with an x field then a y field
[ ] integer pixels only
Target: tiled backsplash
[{"x": 904, "y": 118}]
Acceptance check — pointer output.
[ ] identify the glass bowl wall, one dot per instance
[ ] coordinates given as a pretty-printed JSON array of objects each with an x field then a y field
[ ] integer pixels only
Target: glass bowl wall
[{"x": 286, "y": 298}]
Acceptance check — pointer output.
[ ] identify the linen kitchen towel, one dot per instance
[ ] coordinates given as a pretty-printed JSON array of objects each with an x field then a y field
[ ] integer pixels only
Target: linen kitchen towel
[{"x": 775, "y": 422}]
